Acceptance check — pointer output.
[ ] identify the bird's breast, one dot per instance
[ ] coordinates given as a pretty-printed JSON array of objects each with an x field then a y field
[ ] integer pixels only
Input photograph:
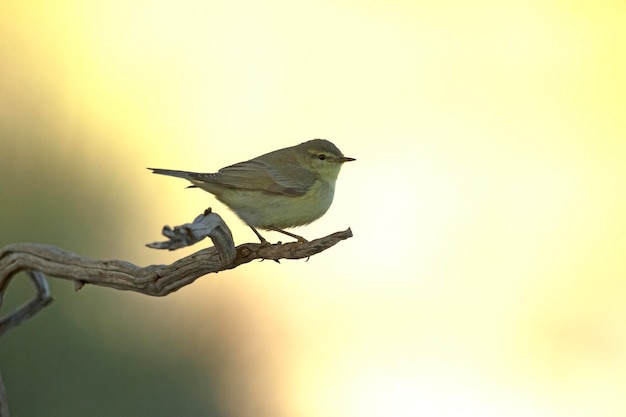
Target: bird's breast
[{"x": 261, "y": 209}]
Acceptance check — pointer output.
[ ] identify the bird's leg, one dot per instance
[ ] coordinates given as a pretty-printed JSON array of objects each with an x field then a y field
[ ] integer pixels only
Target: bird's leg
[
  {"x": 261, "y": 238},
  {"x": 276, "y": 229}
]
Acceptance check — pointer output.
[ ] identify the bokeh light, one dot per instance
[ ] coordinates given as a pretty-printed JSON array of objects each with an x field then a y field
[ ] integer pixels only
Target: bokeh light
[{"x": 485, "y": 275}]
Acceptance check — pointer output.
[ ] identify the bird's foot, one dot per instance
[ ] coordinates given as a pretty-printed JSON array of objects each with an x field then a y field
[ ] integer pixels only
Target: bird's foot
[{"x": 300, "y": 239}]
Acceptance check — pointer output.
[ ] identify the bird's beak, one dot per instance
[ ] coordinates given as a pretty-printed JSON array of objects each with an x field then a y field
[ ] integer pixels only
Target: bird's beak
[{"x": 346, "y": 159}]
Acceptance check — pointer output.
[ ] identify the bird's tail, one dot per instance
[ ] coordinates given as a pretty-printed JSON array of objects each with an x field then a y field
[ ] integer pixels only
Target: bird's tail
[{"x": 172, "y": 173}]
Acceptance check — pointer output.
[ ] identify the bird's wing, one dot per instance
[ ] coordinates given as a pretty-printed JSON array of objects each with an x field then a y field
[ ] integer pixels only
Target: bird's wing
[{"x": 256, "y": 175}]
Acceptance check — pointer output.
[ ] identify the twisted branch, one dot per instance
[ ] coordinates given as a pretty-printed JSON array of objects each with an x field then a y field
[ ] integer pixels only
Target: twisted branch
[{"x": 156, "y": 280}]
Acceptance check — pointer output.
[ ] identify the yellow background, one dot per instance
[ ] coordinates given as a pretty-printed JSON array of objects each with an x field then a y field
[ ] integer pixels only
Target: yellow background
[{"x": 486, "y": 275}]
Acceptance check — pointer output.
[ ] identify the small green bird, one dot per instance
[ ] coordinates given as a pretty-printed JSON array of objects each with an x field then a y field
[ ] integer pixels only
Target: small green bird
[{"x": 285, "y": 188}]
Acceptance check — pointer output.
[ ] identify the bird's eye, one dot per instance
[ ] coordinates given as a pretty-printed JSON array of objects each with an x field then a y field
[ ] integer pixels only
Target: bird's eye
[{"x": 321, "y": 157}]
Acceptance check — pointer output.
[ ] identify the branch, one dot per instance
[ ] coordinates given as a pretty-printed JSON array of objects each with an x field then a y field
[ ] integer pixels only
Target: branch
[
  {"x": 156, "y": 280},
  {"x": 4, "y": 408}
]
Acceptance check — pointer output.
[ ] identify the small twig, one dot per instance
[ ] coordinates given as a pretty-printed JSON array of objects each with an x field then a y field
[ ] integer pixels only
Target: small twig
[
  {"x": 4, "y": 407},
  {"x": 208, "y": 224},
  {"x": 41, "y": 299}
]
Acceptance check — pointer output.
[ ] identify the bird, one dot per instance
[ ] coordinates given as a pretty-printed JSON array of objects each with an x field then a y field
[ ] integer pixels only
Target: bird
[{"x": 286, "y": 188}]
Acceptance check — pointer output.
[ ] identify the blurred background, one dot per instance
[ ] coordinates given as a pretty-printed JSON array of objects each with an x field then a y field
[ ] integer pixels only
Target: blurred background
[{"x": 486, "y": 275}]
